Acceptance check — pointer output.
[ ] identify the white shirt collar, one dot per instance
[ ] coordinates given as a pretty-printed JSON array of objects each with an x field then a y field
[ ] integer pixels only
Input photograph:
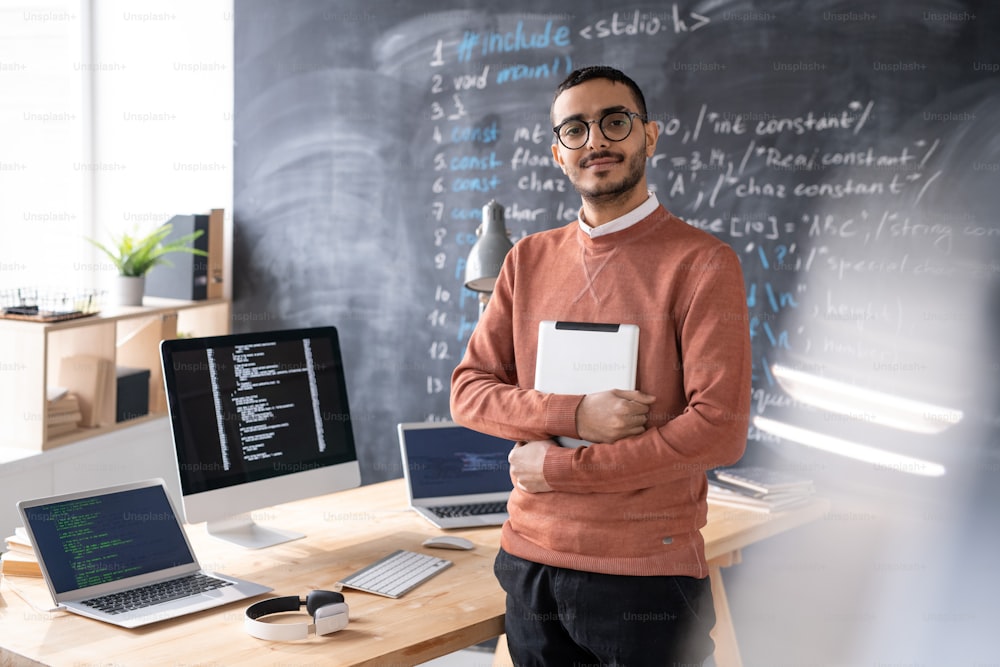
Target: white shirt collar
[{"x": 623, "y": 222}]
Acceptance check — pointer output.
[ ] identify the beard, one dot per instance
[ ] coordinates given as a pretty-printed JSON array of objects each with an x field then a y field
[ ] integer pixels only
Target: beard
[{"x": 605, "y": 189}]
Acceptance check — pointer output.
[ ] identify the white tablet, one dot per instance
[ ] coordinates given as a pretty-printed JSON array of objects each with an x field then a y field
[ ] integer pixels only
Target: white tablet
[{"x": 585, "y": 358}]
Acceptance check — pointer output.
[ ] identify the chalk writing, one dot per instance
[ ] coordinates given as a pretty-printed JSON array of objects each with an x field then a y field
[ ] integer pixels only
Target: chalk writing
[{"x": 841, "y": 178}]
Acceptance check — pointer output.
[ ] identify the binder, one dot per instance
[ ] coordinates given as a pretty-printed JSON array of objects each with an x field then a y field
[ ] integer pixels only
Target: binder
[{"x": 191, "y": 277}]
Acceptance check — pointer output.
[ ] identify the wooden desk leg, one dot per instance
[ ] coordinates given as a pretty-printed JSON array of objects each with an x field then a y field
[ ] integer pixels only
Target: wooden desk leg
[
  {"x": 501, "y": 657},
  {"x": 727, "y": 651}
]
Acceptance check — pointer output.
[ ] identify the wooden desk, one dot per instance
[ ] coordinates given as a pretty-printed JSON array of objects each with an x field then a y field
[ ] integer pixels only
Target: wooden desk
[{"x": 344, "y": 532}]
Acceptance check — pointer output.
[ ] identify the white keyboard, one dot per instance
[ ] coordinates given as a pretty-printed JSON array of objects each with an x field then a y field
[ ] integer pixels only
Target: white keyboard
[{"x": 396, "y": 574}]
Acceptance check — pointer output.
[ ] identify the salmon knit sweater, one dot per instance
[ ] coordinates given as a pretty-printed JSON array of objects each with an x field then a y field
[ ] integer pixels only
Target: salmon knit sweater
[{"x": 635, "y": 506}]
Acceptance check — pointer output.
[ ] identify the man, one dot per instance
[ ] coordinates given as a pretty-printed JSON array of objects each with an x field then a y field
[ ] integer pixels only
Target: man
[{"x": 602, "y": 559}]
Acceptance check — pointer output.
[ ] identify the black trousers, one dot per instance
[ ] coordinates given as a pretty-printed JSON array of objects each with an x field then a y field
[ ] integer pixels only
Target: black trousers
[{"x": 558, "y": 617}]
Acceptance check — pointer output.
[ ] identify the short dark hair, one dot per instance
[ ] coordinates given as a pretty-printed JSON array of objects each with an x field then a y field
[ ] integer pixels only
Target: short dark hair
[{"x": 585, "y": 74}]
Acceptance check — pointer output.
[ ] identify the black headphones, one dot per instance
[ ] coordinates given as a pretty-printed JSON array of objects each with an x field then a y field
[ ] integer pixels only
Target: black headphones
[{"x": 327, "y": 609}]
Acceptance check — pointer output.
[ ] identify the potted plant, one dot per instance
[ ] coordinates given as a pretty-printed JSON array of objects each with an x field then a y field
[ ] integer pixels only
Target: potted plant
[{"x": 134, "y": 255}]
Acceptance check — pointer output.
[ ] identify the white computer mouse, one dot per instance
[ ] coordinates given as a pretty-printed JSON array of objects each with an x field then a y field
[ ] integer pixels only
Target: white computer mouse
[{"x": 448, "y": 542}]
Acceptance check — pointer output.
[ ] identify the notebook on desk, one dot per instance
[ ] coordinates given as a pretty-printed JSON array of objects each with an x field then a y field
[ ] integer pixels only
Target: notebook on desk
[
  {"x": 120, "y": 555},
  {"x": 455, "y": 477}
]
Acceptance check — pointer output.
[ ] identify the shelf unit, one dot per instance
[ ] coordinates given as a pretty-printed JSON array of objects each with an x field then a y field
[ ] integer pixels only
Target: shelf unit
[{"x": 31, "y": 352}]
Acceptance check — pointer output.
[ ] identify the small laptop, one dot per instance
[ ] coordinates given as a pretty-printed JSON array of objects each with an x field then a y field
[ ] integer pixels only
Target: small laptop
[
  {"x": 120, "y": 555},
  {"x": 455, "y": 477}
]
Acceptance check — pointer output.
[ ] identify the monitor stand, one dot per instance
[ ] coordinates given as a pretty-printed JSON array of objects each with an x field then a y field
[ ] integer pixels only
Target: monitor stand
[{"x": 242, "y": 530}]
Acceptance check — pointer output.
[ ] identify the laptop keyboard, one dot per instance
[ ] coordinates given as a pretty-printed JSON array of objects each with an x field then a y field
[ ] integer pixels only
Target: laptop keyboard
[
  {"x": 477, "y": 509},
  {"x": 396, "y": 574},
  {"x": 147, "y": 596}
]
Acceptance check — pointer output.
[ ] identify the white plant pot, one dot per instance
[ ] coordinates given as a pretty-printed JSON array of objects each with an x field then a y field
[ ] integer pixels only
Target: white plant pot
[{"x": 129, "y": 290}]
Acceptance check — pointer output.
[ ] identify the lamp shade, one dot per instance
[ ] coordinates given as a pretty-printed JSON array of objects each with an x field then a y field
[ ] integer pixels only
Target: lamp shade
[{"x": 487, "y": 255}]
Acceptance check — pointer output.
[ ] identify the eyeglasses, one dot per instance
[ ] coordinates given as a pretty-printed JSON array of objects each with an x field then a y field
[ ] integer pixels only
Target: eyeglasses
[{"x": 615, "y": 126}]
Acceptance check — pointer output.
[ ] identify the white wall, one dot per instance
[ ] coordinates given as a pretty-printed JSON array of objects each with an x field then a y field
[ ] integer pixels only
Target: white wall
[
  {"x": 44, "y": 210},
  {"x": 144, "y": 451},
  {"x": 162, "y": 111}
]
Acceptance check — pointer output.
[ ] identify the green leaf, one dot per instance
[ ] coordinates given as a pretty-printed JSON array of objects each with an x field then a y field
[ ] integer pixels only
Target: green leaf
[{"x": 135, "y": 255}]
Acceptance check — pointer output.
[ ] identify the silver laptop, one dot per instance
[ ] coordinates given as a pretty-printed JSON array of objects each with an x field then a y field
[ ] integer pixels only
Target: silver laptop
[
  {"x": 455, "y": 477},
  {"x": 120, "y": 555}
]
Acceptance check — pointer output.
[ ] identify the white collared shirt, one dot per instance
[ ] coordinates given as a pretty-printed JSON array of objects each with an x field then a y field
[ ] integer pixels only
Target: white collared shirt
[{"x": 623, "y": 222}]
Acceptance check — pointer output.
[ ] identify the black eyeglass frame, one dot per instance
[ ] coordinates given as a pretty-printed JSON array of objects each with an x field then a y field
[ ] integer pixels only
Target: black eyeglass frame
[{"x": 632, "y": 115}]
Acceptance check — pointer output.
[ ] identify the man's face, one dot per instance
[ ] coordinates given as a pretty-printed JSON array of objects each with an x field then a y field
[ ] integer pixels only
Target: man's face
[{"x": 603, "y": 169}]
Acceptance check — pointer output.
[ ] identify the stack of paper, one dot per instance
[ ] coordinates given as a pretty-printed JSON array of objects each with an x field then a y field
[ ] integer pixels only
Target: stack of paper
[
  {"x": 757, "y": 488},
  {"x": 19, "y": 558},
  {"x": 64, "y": 414}
]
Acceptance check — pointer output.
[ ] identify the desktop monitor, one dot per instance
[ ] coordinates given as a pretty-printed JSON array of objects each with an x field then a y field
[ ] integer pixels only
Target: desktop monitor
[{"x": 258, "y": 419}]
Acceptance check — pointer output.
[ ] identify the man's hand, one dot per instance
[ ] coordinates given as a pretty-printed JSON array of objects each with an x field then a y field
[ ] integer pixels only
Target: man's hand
[
  {"x": 526, "y": 463},
  {"x": 612, "y": 415}
]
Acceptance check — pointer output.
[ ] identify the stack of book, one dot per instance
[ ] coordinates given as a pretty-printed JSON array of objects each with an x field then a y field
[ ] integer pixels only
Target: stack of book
[
  {"x": 18, "y": 559},
  {"x": 64, "y": 414},
  {"x": 757, "y": 488}
]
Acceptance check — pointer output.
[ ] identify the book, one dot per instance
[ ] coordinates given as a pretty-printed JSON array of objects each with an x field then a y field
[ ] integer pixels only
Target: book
[
  {"x": 55, "y": 430},
  {"x": 88, "y": 377},
  {"x": 67, "y": 402},
  {"x": 17, "y": 564},
  {"x": 63, "y": 414},
  {"x": 54, "y": 393},
  {"x": 27, "y": 550},
  {"x": 763, "y": 481},
  {"x": 728, "y": 497},
  {"x": 19, "y": 542},
  {"x": 757, "y": 488},
  {"x": 73, "y": 418}
]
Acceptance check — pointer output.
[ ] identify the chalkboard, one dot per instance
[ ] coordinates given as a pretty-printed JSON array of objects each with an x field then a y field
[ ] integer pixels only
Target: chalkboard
[{"x": 850, "y": 155}]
